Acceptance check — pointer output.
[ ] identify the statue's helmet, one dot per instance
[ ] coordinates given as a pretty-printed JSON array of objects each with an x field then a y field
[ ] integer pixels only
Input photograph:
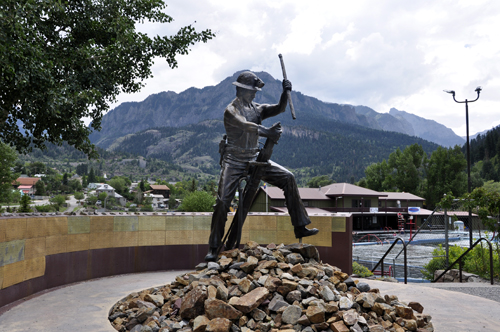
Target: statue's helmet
[{"x": 248, "y": 80}]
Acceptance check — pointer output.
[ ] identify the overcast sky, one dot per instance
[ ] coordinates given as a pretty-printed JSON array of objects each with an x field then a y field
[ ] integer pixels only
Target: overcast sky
[{"x": 381, "y": 54}]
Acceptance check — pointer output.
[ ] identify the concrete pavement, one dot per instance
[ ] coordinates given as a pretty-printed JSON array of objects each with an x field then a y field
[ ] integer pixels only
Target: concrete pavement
[
  {"x": 84, "y": 306},
  {"x": 451, "y": 311},
  {"x": 79, "y": 307}
]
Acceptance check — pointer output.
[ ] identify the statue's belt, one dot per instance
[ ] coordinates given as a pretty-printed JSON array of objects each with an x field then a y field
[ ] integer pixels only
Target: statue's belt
[{"x": 240, "y": 151}]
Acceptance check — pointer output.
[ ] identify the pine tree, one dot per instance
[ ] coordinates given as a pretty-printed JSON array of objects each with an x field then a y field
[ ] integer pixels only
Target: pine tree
[
  {"x": 25, "y": 204},
  {"x": 91, "y": 177}
]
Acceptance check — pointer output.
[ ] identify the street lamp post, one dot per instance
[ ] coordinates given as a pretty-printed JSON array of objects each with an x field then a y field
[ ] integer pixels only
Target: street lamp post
[
  {"x": 105, "y": 199},
  {"x": 469, "y": 185}
]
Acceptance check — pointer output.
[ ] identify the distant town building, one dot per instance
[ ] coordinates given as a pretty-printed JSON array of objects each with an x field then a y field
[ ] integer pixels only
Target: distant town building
[
  {"x": 156, "y": 200},
  {"x": 160, "y": 189},
  {"x": 120, "y": 199},
  {"x": 25, "y": 181},
  {"x": 105, "y": 188},
  {"x": 94, "y": 185},
  {"x": 110, "y": 191},
  {"x": 27, "y": 190}
]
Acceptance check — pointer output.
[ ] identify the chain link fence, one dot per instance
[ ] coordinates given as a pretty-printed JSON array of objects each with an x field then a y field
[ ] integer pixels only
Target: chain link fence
[{"x": 433, "y": 246}]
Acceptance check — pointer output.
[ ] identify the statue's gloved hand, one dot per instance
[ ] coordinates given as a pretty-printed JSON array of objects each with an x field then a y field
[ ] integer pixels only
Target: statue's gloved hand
[
  {"x": 273, "y": 132},
  {"x": 287, "y": 85}
]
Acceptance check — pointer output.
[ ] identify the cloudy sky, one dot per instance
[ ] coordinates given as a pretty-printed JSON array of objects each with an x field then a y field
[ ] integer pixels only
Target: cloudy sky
[{"x": 381, "y": 54}]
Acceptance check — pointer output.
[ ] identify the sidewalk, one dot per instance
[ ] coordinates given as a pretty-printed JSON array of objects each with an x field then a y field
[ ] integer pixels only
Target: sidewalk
[
  {"x": 83, "y": 307},
  {"x": 451, "y": 305}
]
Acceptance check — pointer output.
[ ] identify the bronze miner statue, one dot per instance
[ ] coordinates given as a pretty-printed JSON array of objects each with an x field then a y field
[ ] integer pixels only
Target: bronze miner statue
[{"x": 242, "y": 159}]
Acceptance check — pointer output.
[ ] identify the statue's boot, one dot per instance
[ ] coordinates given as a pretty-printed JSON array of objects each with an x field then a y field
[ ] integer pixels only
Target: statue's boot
[
  {"x": 211, "y": 255},
  {"x": 302, "y": 231}
]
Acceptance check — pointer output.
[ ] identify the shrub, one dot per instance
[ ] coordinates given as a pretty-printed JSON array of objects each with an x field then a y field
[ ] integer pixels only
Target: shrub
[
  {"x": 58, "y": 201},
  {"x": 198, "y": 201},
  {"x": 476, "y": 261},
  {"x": 25, "y": 204},
  {"x": 147, "y": 208},
  {"x": 361, "y": 270},
  {"x": 45, "y": 208},
  {"x": 79, "y": 195}
]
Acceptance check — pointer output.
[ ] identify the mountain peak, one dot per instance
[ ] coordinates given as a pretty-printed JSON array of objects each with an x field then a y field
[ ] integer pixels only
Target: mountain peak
[
  {"x": 429, "y": 129},
  {"x": 170, "y": 109}
]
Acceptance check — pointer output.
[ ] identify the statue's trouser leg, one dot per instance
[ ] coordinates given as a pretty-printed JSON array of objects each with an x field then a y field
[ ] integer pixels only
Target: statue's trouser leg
[
  {"x": 231, "y": 172},
  {"x": 280, "y": 177}
]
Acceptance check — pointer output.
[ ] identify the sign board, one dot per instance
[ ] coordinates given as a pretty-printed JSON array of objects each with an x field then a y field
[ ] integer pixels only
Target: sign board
[
  {"x": 373, "y": 210},
  {"x": 414, "y": 209}
]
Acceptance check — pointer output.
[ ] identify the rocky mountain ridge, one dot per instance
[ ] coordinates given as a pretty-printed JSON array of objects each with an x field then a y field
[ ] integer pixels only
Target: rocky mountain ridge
[{"x": 170, "y": 109}]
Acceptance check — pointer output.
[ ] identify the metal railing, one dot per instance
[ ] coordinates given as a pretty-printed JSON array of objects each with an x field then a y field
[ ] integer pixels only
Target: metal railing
[
  {"x": 381, "y": 261},
  {"x": 459, "y": 260}
]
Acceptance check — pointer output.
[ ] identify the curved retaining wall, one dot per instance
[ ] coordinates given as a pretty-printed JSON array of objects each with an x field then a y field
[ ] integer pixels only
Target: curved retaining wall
[{"x": 42, "y": 252}]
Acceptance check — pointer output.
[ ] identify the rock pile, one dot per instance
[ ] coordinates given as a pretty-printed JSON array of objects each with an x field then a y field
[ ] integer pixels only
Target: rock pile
[
  {"x": 266, "y": 289},
  {"x": 453, "y": 275}
]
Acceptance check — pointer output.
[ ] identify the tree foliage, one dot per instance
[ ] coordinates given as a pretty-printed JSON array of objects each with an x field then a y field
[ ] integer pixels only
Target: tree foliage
[
  {"x": 40, "y": 188},
  {"x": 24, "y": 205},
  {"x": 102, "y": 197},
  {"x": 120, "y": 184},
  {"x": 198, "y": 201},
  {"x": 412, "y": 171},
  {"x": 492, "y": 186},
  {"x": 486, "y": 204},
  {"x": 65, "y": 60},
  {"x": 91, "y": 178},
  {"x": 445, "y": 174},
  {"x": 58, "y": 201},
  {"x": 91, "y": 199},
  {"x": 79, "y": 196},
  {"x": 403, "y": 171},
  {"x": 319, "y": 181},
  {"x": 7, "y": 161}
]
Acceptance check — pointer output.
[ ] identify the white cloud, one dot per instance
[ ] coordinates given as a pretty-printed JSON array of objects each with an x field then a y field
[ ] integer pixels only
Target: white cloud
[{"x": 382, "y": 54}]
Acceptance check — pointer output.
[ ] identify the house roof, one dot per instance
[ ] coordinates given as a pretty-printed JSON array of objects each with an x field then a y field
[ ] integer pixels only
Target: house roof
[
  {"x": 25, "y": 187},
  {"x": 159, "y": 187},
  {"x": 305, "y": 193},
  {"x": 26, "y": 181},
  {"x": 390, "y": 196},
  {"x": 154, "y": 195},
  {"x": 104, "y": 187},
  {"x": 347, "y": 189}
]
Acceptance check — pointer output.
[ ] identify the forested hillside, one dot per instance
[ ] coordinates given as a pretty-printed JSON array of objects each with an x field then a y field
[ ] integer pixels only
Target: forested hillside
[
  {"x": 338, "y": 150},
  {"x": 66, "y": 159},
  {"x": 485, "y": 152}
]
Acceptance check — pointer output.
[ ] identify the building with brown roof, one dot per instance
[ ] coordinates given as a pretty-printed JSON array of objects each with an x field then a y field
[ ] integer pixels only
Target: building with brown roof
[
  {"x": 25, "y": 181},
  {"x": 160, "y": 189},
  {"x": 371, "y": 210}
]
